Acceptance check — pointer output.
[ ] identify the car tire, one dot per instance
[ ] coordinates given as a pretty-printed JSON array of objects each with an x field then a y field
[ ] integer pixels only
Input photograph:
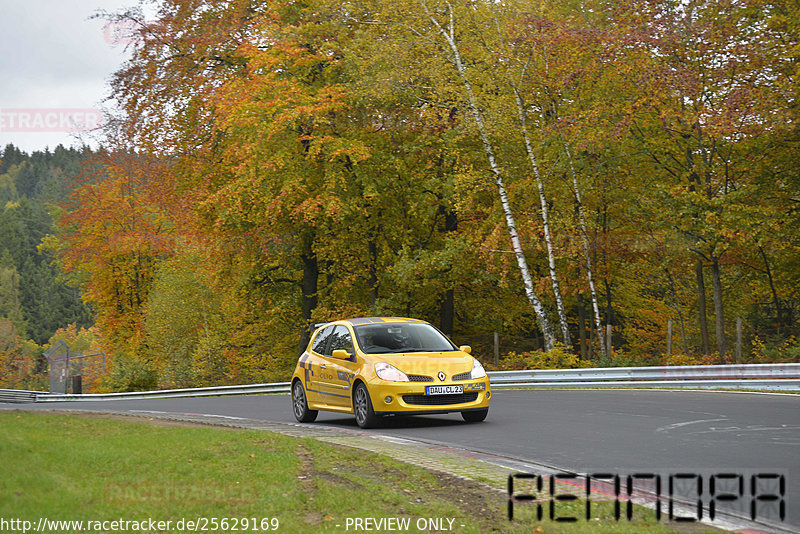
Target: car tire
[
  {"x": 362, "y": 408},
  {"x": 475, "y": 416},
  {"x": 300, "y": 404}
]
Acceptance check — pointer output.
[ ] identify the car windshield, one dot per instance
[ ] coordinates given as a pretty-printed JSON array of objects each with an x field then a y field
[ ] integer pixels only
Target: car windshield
[{"x": 386, "y": 338}]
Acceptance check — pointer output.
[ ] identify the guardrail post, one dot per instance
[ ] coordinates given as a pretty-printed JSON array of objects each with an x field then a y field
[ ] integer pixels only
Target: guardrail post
[
  {"x": 669, "y": 338},
  {"x": 738, "y": 340},
  {"x": 67, "y": 376}
]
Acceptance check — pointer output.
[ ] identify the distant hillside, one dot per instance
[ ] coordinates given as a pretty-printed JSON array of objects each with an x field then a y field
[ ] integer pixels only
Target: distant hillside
[{"x": 33, "y": 294}]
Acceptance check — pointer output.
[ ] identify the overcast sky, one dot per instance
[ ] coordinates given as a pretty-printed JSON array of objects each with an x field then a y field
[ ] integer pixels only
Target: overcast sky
[{"x": 55, "y": 63}]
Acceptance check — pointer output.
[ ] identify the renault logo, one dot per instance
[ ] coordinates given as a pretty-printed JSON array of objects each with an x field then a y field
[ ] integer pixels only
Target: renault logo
[{"x": 442, "y": 376}]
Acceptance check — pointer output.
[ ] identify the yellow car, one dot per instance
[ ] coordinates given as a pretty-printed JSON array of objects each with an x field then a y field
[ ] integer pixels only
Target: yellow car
[{"x": 378, "y": 366}]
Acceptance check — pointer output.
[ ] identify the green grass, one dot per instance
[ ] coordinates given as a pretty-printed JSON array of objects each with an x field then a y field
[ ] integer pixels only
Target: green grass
[{"x": 67, "y": 467}]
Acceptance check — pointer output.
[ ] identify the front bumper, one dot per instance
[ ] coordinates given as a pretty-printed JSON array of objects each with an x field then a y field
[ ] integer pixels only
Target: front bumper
[{"x": 409, "y": 397}]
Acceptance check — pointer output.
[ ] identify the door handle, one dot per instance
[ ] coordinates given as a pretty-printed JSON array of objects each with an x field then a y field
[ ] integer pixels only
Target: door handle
[{"x": 323, "y": 366}]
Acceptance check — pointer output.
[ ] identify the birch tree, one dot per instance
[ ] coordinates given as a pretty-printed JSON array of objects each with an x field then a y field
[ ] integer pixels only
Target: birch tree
[
  {"x": 447, "y": 31},
  {"x": 504, "y": 60},
  {"x": 523, "y": 57}
]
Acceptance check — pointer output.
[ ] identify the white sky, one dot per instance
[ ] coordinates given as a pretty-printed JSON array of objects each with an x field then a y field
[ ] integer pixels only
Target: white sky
[{"x": 53, "y": 59}]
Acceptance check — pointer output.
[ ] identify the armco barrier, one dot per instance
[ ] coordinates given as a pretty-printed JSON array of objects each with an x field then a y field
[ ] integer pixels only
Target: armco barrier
[
  {"x": 771, "y": 377},
  {"x": 18, "y": 395},
  {"x": 619, "y": 375},
  {"x": 247, "y": 389},
  {"x": 790, "y": 384}
]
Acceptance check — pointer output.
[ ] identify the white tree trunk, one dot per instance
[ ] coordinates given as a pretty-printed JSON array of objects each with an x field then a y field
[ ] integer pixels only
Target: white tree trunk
[
  {"x": 562, "y": 314},
  {"x": 449, "y": 37},
  {"x": 587, "y": 255}
]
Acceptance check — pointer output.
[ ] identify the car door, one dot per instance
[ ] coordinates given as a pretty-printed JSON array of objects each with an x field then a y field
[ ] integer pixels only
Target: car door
[
  {"x": 338, "y": 374},
  {"x": 312, "y": 361}
]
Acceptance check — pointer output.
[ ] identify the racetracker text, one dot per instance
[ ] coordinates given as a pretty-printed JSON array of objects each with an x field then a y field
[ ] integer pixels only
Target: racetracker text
[{"x": 227, "y": 524}]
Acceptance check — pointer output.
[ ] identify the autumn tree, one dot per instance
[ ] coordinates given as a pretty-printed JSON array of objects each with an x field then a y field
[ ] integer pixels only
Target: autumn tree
[
  {"x": 110, "y": 236},
  {"x": 705, "y": 91}
]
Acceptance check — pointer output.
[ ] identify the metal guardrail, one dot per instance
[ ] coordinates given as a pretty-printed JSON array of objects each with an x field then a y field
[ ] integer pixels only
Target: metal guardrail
[
  {"x": 19, "y": 395},
  {"x": 769, "y": 377},
  {"x": 788, "y": 384},
  {"x": 247, "y": 389}
]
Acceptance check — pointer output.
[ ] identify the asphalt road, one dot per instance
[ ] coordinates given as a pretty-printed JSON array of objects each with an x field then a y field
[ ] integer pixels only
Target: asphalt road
[{"x": 586, "y": 431}]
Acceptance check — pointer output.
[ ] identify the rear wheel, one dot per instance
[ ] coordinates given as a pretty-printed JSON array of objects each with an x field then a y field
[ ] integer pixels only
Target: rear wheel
[
  {"x": 362, "y": 406},
  {"x": 475, "y": 416},
  {"x": 299, "y": 404}
]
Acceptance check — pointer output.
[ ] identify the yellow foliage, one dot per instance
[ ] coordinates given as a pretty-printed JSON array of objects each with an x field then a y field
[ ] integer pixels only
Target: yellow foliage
[
  {"x": 17, "y": 360},
  {"x": 558, "y": 358},
  {"x": 680, "y": 359},
  {"x": 787, "y": 351}
]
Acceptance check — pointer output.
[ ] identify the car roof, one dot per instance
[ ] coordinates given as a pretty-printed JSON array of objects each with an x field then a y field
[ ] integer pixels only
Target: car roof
[{"x": 373, "y": 320}]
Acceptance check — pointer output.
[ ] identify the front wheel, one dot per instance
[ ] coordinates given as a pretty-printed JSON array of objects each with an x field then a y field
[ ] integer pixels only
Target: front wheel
[
  {"x": 300, "y": 406},
  {"x": 362, "y": 406},
  {"x": 475, "y": 416}
]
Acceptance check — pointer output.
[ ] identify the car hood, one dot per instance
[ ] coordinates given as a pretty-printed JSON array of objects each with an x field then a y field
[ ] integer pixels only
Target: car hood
[{"x": 427, "y": 363}]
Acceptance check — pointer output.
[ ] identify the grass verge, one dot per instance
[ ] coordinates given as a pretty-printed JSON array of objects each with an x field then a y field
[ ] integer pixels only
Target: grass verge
[{"x": 78, "y": 468}]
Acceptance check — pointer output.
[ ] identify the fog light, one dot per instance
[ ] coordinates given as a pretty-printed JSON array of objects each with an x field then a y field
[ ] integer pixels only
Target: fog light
[
  {"x": 488, "y": 394},
  {"x": 388, "y": 400}
]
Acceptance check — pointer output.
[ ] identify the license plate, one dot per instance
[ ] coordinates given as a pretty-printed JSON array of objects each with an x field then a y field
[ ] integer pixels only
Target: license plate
[{"x": 443, "y": 390}]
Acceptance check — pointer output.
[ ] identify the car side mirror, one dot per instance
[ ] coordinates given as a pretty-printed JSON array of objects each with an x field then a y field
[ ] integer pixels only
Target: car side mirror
[
  {"x": 341, "y": 354},
  {"x": 465, "y": 348}
]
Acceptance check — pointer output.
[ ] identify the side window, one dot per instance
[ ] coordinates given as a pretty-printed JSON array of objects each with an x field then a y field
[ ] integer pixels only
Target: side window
[
  {"x": 321, "y": 340},
  {"x": 340, "y": 339}
]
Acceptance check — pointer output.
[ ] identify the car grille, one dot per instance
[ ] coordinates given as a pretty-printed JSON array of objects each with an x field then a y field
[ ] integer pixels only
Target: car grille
[
  {"x": 419, "y": 378},
  {"x": 463, "y": 376},
  {"x": 439, "y": 400}
]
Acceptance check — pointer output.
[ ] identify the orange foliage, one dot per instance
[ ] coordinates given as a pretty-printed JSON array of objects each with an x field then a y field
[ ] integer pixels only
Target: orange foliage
[
  {"x": 111, "y": 234},
  {"x": 17, "y": 361}
]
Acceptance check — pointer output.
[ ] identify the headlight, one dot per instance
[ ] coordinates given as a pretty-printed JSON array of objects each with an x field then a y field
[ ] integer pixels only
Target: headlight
[
  {"x": 477, "y": 370},
  {"x": 390, "y": 372}
]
